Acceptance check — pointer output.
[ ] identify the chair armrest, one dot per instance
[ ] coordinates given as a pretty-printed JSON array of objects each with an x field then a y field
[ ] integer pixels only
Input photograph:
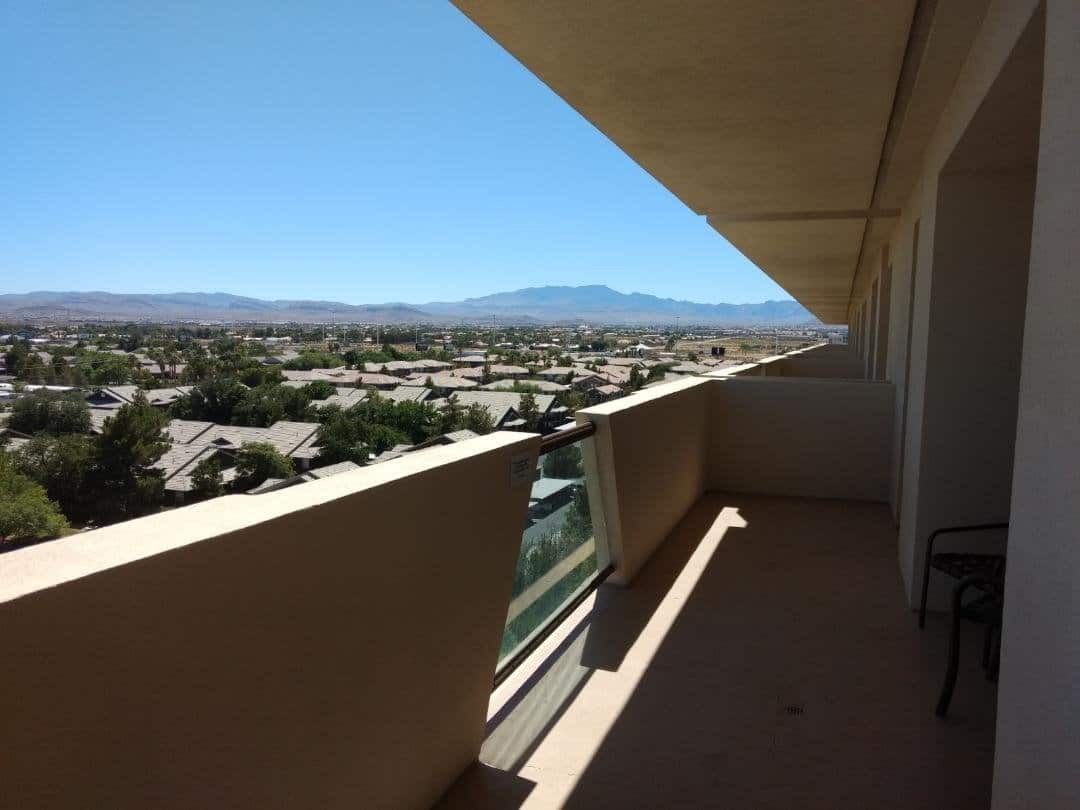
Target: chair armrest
[
  {"x": 978, "y": 527},
  {"x": 930, "y": 553}
]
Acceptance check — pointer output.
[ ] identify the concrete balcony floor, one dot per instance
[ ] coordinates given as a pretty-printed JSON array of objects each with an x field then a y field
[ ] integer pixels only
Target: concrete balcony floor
[{"x": 764, "y": 658}]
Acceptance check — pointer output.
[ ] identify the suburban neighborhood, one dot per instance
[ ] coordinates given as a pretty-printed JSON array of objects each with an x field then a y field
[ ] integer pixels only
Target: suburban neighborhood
[{"x": 114, "y": 421}]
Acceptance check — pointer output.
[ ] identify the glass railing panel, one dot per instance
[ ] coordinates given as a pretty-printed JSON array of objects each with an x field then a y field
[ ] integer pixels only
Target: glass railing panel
[{"x": 558, "y": 548}]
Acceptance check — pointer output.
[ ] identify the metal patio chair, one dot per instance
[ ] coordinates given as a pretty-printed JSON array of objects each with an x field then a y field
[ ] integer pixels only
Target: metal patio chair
[
  {"x": 986, "y": 609},
  {"x": 957, "y": 565}
]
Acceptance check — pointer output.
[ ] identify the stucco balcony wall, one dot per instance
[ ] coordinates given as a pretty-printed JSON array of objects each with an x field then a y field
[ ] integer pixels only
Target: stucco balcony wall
[
  {"x": 659, "y": 451},
  {"x": 330, "y": 645}
]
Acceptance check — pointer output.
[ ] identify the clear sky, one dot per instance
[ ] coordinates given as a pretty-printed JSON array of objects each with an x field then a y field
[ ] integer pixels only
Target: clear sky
[{"x": 364, "y": 151}]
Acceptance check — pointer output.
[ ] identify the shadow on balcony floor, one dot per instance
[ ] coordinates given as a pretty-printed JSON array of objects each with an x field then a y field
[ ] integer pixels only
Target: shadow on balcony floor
[{"x": 763, "y": 658}]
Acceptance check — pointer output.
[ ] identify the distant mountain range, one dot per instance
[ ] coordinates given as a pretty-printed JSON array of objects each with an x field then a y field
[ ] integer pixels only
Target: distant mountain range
[{"x": 533, "y": 305}]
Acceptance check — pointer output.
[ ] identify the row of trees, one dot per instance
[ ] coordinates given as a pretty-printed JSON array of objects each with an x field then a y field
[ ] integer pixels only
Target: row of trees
[
  {"x": 376, "y": 424},
  {"x": 26, "y": 513},
  {"x": 88, "y": 368},
  {"x": 255, "y": 462},
  {"x": 63, "y": 473},
  {"x": 228, "y": 401},
  {"x": 544, "y": 554},
  {"x": 94, "y": 479}
]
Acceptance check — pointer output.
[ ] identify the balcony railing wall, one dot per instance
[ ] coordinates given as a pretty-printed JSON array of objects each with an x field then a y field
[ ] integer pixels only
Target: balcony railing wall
[
  {"x": 823, "y": 361},
  {"x": 330, "y": 645},
  {"x": 335, "y": 643},
  {"x": 659, "y": 451}
]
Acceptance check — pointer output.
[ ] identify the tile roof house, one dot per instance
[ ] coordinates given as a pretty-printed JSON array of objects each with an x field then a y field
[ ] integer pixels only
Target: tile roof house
[
  {"x": 607, "y": 391},
  {"x": 403, "y": 367},
  {"x": 691, "y": 368},
  {"x": 502, "y": 370},
  {"x": 406, "y": 393},
  {"x": 272, "y": 484},
  {"x": 504, "y": 407},
  {"x": 440, "y": 382},
  {"x": 614, "y": 376},
  {"x": 472, "y": 360},
  {"x": 116, "y": 396},
  {"x": 194, "y": 441},
  {"x": 544, "y": 386},
  {"x": 278, "y": 359},
  {"x": 347, "y": 397},
  {"x": 342, "y": 378},
  {"x": 468, "y": 372},
  {"x": 397, "y": 451}
]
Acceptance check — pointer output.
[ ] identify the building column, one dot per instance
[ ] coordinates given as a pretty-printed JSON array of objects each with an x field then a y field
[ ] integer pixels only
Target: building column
[{"x": 1038, "y": 720}]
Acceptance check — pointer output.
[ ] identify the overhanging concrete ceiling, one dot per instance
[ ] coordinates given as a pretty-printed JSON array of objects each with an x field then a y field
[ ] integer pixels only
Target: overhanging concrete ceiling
[{"x": 768, "y": 117}]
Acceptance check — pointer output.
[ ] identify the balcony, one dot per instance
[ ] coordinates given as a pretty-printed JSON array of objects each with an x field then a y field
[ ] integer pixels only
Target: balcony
[
  {"x": 763, "y": 657},
  {"x": 335, "y": 644}
]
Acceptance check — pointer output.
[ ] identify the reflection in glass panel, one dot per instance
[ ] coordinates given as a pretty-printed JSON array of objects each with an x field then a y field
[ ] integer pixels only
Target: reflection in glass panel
[{"x": 558, "y": 551}]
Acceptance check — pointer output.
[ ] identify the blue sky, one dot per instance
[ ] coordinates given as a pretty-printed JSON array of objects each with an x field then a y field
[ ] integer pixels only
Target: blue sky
[{"x": 357, "y": 151}]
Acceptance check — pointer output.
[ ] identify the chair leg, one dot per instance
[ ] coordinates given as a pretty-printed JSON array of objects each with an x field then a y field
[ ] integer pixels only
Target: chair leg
[
  {"x": 925, "y": 588},
  {"x": 954, "y": 656},
  {"x": 995, "y": 659}
]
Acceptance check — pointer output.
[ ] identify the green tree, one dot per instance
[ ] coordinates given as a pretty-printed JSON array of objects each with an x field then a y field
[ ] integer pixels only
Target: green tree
[
  {"x": 61, "y": 372},
  {"x": 383, "y": 437},
  {"x": 573, "y": 401},
  {"x": 451, "y": 416},
  {"x": 525, "y": 387},
  {"x": 415, "y": 421},
  {"x": 478, "y": 419},
  {"x": 32, "y": 370},
  {"x": 257, "y": 461},
  {"x": 319, "y": 389},
  {"x": 341, "y": 437},
  {"x": 357, "y": 357},
  {"x": 50, "y": 411},
  {"x": 253, "y": 373},
  {"x": 659, "y": 372},
  {"x": 26, "y": 513},
  {"x": 64, "y": 466},
  {"x": 565, "y": 462},
  {"x": 206, "y": 478},
  {"x": 104, "y": 368},
  {"x": 213, "y": 400},
  {"x": 309, "y": 360},
  {"x": 130, "y": 443},
  {"x": 578, "y": 526},
  {"x": 267, "y": 404},
  {"x": 529, "y": 411},
  {"x": 637, "y": 379},
  {"x": 15, "y": 357},
  {"x": 199, "y": 365}
]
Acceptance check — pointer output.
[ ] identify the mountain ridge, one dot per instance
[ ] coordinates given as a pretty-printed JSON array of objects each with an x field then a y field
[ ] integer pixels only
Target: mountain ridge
[{"x": 553, "y": 304}]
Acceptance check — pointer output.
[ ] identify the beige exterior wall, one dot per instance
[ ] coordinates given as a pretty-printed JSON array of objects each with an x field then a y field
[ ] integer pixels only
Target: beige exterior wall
[
  {"x": 329, "y": 645},
  {"x": 828, "y": 361},
  {"x": 658, "y": 451},
  {"x": 977, "y": 431},
  {"x": 948, "y": 267},
  {"x": 958, "y": 257},
  {"x": 1038, "y": 742},
  {"x": 804, "y": 437},
  {"x": 652, "y": 455},
  {"x": 884, "y": 282},
  {"x": 973, "y": 355}
]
